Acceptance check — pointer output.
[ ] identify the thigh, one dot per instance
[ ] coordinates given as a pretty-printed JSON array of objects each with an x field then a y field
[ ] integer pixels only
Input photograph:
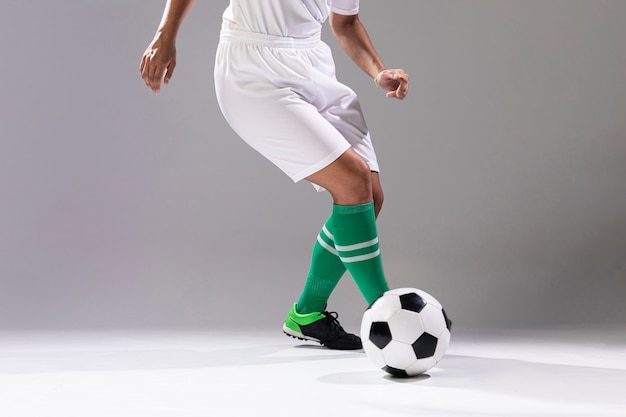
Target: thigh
[
  {"x": 281, "y": 126},
  {"x": 340, "y": 106}
]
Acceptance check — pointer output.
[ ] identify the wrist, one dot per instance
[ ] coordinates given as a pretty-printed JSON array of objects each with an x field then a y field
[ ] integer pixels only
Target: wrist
[
  {"x": 377, "y": 76},
  {"x": 168, "y": 31}
]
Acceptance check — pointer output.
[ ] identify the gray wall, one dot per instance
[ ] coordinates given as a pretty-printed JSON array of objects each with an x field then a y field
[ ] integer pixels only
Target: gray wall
[{"x": 504, "y": 170}]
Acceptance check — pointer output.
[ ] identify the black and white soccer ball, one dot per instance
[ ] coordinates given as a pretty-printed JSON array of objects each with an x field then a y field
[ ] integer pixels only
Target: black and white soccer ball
[{"x": 405, "y": 332}]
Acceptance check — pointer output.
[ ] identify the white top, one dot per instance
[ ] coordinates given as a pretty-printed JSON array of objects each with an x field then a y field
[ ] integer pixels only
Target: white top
[{"x": 292, "y": 18}]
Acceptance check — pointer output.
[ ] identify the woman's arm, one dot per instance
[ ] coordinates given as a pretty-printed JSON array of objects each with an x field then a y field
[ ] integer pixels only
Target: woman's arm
[
  {"x": 159, "y": 59},
  {"x": 353, "y": 38}
]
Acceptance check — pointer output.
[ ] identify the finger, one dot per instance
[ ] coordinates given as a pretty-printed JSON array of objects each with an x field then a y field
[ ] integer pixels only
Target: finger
[
  {"x": 155, "y": 76},
  {"x": 143, "y": 68},
  {"x": 403, "y": 85},
  {"x": 402, "y": 90},
  {"x": 147, "y": 67},
  {"x": 401, "y": 93},
  {"x": 169, "y": 72},
  {"x": 400, "y": 75},
  {"x": 150, "y": 70},
  {"x": 395, "y": 94},
  {"x": 394, "y": 80},
  {"x": 156, "y": 82}
]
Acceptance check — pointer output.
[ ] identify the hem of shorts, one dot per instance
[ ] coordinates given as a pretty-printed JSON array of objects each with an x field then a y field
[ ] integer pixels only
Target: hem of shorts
[{"x": 321, "y": 164}]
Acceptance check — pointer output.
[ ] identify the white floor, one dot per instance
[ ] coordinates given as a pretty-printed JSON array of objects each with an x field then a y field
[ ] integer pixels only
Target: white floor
[{"x": 193, "y": 373}]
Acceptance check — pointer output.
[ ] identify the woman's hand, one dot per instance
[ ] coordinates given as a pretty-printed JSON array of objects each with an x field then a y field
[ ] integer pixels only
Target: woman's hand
[
  {"x": 394, "y": 81},
  {"x": 158, "y": 62}
]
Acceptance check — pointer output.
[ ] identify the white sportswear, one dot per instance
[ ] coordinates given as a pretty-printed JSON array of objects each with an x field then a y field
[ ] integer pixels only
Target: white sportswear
[{"x": 276, "y": 86}]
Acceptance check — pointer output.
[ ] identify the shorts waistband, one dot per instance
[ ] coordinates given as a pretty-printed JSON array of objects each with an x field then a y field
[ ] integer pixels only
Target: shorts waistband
[{"x": 273, "y": 41}]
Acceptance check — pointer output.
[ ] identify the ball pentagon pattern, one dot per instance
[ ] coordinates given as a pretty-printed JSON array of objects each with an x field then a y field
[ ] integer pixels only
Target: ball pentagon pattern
[{"x": 380, "y": 334}]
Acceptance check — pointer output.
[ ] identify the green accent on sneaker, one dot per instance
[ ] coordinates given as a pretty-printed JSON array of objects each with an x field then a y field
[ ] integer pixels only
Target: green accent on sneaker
[
  {"x": 294, "y": 319},
  {"x": 321, "y": 327}
]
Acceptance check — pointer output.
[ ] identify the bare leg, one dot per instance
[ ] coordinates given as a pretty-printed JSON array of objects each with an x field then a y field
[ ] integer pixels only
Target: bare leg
[
  {"x": 326, "y": 268},
  {"x": 357, "y": 197},
  {"x": 348, "y": 179},
  {"x": 377, "y": 192}
]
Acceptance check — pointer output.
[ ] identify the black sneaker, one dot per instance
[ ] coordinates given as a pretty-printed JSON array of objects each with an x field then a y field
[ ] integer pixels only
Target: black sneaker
[{"x": 321, "y": 327}]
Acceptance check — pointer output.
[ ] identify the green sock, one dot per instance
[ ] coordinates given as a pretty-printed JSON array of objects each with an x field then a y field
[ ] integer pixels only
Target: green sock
[
  {"x": 325, "y": 272},
  {"x": 356, "y": 242}
]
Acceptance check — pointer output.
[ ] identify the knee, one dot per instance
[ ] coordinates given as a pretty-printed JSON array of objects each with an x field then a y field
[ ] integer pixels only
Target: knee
[
  {"x": 353, "y": 185},
  {"x": 348, "y": 179},
  {"x": 358, "y": 181}
]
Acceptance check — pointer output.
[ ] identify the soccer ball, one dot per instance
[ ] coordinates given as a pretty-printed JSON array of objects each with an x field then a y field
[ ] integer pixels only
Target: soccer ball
[{"x": 405, "y": 332}]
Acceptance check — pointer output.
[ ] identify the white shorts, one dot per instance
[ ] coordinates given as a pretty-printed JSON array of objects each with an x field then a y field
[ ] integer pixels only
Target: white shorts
[{"x": 280, "y": 95}]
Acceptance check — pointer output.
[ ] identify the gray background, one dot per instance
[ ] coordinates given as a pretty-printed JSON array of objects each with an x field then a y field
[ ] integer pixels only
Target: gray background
[{"x": 504, "y": 170}]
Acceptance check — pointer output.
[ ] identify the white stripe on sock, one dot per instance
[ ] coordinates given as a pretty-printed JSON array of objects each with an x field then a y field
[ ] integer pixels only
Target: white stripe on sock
[
  {"x": 326, "y": 245},
  {"x": 328, "y": 234},
  {"x": 359, "y": 258},
  {"x": 357, "y": 246}
]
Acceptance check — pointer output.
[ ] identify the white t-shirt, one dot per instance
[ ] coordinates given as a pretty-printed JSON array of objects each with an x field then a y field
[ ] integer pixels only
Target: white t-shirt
[{"x": 292, "y": 18}]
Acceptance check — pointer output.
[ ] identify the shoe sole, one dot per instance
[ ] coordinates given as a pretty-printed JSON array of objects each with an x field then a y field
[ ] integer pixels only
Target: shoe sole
[{"x": 297, "y": 335}]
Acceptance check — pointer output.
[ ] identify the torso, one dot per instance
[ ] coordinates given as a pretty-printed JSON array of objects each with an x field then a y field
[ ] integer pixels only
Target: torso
[{"x": 292, "y": 18}]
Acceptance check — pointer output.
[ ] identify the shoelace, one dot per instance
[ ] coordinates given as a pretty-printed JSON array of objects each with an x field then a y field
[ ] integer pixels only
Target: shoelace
[{"x": 335, "y": 328}]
